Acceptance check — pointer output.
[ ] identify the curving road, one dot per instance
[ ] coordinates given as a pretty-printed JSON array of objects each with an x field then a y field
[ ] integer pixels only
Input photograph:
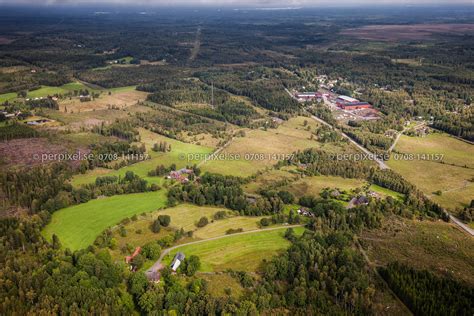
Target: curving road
[{"x": 157, "y": 265}]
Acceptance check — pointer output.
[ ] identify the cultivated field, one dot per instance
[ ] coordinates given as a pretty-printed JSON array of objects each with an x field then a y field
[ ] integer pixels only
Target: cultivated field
[
  {"x": 255, "y": 149},
  {"x": 452, "y": 177},
  {"x": 241, "y": 252},
  {"x": 77, "y": 226},
  {"x": 436, "y": 246},
  {"x": 407, "y": 32}
]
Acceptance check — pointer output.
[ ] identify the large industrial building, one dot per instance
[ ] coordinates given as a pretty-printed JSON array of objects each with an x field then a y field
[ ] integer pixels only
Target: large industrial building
[{"x": 348, "y": 103}]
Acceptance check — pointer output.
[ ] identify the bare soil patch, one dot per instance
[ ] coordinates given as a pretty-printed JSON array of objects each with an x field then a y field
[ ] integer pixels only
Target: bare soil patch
[
  {"x": 28, "y": 152},
  {"x": 407, "y": 32}
]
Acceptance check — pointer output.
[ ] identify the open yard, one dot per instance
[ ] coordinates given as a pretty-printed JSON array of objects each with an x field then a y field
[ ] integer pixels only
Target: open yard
[
  {"x": 177, "y": 155},
  {"x": 436, "y": 246},
  {"x": 77, "y": 226},
  {"x": 241, "y": 252},
  {"x": 254, "y": 151},
  {"x": 452, "y": 178}
]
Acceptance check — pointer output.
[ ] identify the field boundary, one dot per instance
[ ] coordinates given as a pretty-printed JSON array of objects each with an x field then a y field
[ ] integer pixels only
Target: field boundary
[{"x": 158, "y": 266}]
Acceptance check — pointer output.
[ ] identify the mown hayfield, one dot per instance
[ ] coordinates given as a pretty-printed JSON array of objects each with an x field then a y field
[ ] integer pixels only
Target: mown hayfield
[
  {"x": 77, "y": 226},
  {"x": 314, "y": 185},
  {"x": 243, "y": 252},
  {"x": 433, "y": 245},
  {"x": 187, "y": 215},
  {"x": 454, "y": 150},
  {"x": 121, "y": 98},
  {"x": 454, "y": 181},
  {"x": 183, "y": 216},
  {"x": 290, "y": 136},
  {"x": 44, "y": 91},
  {"x": 179, "y": 150},
  {"x": 219, "y": 227}
]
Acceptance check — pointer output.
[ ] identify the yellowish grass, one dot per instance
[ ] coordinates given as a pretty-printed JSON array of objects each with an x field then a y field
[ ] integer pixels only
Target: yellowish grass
[
  {"x": 121, "y": 99},
  {"x": 255, "y": 149},
  {"x": 437, "y": 246}
]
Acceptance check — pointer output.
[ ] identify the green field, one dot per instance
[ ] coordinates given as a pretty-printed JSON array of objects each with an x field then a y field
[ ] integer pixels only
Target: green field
[
  {"x": 7, "y": 97},
  {"x": 241, "y": 252},
  {"x": 44, "y": 91},
  {"x": 454, "y": 181},
  {"x": 178, "y": 149},
  {"x": 386, "y": 192},
  {"x": 77, "y": 226}
]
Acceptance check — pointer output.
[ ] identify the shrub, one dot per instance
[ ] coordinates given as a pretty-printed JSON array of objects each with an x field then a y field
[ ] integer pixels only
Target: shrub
[
  {"x": 203, "y": 221},
  {"x": 156, "y": 226},
  {"x": 164, "y": 220}
]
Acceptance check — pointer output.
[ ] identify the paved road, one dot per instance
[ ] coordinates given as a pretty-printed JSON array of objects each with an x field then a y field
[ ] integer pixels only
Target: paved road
[
  {"x": 380, "y": 162},
  {"x": 157, "y": 265}
]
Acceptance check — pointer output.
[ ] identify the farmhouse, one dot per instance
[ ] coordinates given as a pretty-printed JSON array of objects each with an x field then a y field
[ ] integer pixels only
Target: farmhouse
[
  {"x": 305, "y": 212},
  {"x": 178, "y": 258},
  {"x": 358, "y": 200},
  {"x": 180, "y": 174}
]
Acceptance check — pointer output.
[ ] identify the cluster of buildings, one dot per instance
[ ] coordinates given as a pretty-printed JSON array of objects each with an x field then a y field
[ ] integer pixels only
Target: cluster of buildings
[
  {"x": 180, "y": 175},
  {"x": 348, "y": 103},
  {"x": 304, "y": 212}
]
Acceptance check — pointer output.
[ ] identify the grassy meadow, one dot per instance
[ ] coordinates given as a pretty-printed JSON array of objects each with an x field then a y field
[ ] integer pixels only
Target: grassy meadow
[
  {"x": 452, "y": 178},
  {"x": 178, "y": 149},
  {"x": 240, "y": 252},
  {"x": 290, "y": 136},
  {"x": 77, "y": 226}
]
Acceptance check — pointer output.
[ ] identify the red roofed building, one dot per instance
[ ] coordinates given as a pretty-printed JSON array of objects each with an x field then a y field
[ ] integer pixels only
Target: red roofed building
[
  {"x": 355, "y": 106},
  {"x": 129, "y": 259}
]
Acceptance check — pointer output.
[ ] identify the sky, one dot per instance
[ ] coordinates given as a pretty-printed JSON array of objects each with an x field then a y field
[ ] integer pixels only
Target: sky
[{"x": 240, "y": 3}]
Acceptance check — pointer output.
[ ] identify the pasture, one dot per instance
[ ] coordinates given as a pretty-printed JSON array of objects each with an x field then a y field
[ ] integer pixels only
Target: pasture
[
  {"x": 45, "y": 91},
  {"x": 254, "y": 151},
  {"x": 243, "y": 252},
  {"x": 77, "y": 226},
  {"x": 453, "y": 176}
]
